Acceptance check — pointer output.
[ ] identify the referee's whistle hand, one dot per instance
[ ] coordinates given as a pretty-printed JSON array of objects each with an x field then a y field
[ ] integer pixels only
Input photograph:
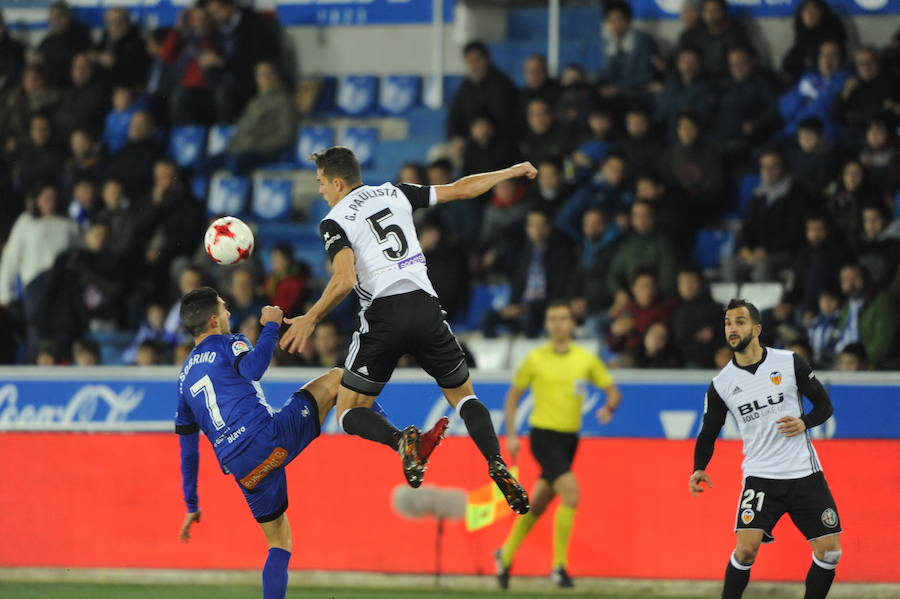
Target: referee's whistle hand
[
  {"x": 696, "y": 478},
  {"x": 790, "y": 426}
]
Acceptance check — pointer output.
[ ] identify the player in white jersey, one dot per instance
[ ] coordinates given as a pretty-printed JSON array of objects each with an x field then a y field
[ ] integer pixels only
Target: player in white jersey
[
  {"x": 762, "y": 388},
  {"x": 371, "y": 239}
]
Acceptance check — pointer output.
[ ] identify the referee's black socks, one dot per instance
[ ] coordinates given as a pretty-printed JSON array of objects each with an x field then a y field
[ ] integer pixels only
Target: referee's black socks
[
  {"x": 370, "y": 425},
  {"x": 737, "y": 575},
  {"x": 480, "y": 427}
]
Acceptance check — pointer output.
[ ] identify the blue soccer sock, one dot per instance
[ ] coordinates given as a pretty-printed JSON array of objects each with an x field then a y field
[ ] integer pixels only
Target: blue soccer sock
[{"x": 275, "y": 574}]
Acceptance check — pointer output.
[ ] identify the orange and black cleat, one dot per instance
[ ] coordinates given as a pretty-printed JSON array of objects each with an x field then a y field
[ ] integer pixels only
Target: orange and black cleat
[
  {"x": 514, "y": 493},
  {"x": 413, "y": 464}
]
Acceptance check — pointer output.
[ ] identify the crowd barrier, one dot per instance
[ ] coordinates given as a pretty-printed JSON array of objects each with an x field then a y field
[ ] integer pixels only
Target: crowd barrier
[{"x": 75, "y": 497}]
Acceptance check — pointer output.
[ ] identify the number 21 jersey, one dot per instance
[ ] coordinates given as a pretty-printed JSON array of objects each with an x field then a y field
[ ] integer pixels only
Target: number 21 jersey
[{"x": 377, "y": 224}]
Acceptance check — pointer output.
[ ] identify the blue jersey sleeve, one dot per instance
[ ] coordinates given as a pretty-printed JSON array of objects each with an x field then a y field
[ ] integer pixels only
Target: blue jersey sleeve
[
  {"x": 185, "y": 423},
  {"x": 188, "y": 440},
  {"x": 252, "y": 362}
]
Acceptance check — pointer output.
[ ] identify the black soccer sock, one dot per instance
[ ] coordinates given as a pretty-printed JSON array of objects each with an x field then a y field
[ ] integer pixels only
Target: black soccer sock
[
  {"x": 818, "y": 581},
  {"x": 370, "y": 425},
  {"x": 737, "y": 575},
  {"x": 478, "y": 423}
]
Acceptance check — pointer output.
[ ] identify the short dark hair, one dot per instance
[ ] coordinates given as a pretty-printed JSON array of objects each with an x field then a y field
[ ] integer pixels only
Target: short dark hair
[
  {"x": 742, "y": 303},
  {"x": 618, "y": 6},
  {"x": 645, "y": 271},
  {"x": 858, "y": 350},
  {"x": 196, "y": 308},
  {"x": 338, "y": 162},
  {"x": 811, "y": 123},
  {"x": 442, "y": 163},
  {"x": 559, "y": 303},
  {"x": 691, "y": 269},
  {"x": 286, "y": 250},
  {"x": 476, "y": 46},
  {"x": 87, "y": 345}
]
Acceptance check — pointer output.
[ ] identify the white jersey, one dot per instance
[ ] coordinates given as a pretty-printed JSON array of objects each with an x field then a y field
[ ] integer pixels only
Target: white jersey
[
  {"x": 757, "y": 397},
  {"x": 377, "y": 224}
]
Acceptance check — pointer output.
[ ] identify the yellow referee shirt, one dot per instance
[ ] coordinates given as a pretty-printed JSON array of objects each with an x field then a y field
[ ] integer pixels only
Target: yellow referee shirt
[{"x": 557, "y": 383}]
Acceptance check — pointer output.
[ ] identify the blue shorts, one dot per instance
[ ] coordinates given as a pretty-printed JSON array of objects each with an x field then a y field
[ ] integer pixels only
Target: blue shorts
[{"x": 259, "y": 471}]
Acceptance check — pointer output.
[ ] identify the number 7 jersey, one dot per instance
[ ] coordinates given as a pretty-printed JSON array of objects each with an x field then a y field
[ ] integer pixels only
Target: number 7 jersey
[
  {"x": 214, "y": 397},
  {"x": 377, "y": 224}
]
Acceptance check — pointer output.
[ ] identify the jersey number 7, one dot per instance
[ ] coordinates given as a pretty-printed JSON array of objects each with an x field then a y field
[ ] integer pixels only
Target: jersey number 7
[
  {"x": 205, "y": 387},
  {"x": 383, "y": 234}
]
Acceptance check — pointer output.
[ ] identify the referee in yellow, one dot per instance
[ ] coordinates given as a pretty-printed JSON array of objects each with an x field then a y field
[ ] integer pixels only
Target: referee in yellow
[{"x": 556, "y": 373}]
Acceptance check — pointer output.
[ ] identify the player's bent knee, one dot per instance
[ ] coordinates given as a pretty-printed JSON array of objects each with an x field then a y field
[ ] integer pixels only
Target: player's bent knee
[
  {"x": 827, "y": 559},
  {"x": 746, "y": 554}
]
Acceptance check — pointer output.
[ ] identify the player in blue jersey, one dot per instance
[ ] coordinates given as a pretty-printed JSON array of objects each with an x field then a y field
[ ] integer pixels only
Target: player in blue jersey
[{"x": 219, "y": 394}]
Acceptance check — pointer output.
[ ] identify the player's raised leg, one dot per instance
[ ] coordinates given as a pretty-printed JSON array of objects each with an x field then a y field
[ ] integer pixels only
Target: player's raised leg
[
  {"x": 541, "y": 495},
  {"x": 737, "y": 573},
  {"x": 275, "y": 571},
  {"x": 566, "y": 486},
  {"x": 825, "y": 558},
  {"x": 478, "y": 422}
]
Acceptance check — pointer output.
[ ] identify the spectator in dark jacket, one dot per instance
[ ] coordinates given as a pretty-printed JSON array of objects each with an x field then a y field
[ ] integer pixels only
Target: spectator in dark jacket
[
  {"x": 184, "y": 47},
  {"x": 83, "y": 105},
  {"x": 879, "y": 247},
  {"x": 12, "y": 58},
  {"x": 715, "y": 35},
  {"x": 122, "y": 53},
  {"x": 538, "y": 83},
  {"x": 641, "y": 146},
  {"x": 814, "y": 23},
  {"x": 605, "y": 188},
  {"x": 697, "y": 323},
  {"x": 40, "y": 160},
  {"x": 83, "y": 162},
  {"x": 133, "y": 164},
  {"x": 747, "y": 112},
  {"x": 590, "y": 292},
  {"x": 772, "y": 231},
  {"x": 540, "y": 275},
  {"x": 813, "y": 161},
  {"x": 642, "y": 248},
  {"x": 816, "y": 264},
  {"x": 550, "y": 190},
  {"x": 485, "y": 149},
  {"x": 65, "y": 38},
  {"x": 486, "y": 90},
  {"x": 448, "y": 268},
  {"x": 687, "y": 90},
  {"x": 121, "y": 218},
  {"x": 246, "y": 38},
  {"x": 881, "y": 158},
  {"x": 867, "y": 92},
  {"x": 844, "y": 198},
  {"x": 543, "y": 137},
  {"x": 31, "y": 97},
  {"x": 627, "y": 55},
  {"x": 594, "y": 147},
  {"x": 695, "y": 168}
]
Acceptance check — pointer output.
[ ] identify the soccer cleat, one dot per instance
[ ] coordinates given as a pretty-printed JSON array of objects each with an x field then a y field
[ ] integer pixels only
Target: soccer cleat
[
  {"x": 514, "y": 493},
  {"x": 502, "y": 571},
  {"x": 430, "y": 439},
  {"x": 413, "y": 465},
  {"x": 561, "y": 578}
]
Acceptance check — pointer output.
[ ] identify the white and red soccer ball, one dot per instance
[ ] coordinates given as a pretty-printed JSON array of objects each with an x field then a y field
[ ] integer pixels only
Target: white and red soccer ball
[{"x": 228, "y": 240}]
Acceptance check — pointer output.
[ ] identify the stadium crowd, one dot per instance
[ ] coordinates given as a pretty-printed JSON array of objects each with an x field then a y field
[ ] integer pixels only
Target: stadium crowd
[{"x": 101, "y": 231}]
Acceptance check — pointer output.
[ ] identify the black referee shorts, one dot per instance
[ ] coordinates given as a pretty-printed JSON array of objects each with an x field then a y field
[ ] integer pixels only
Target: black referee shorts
[
  {"x": 554, "y": 452},
  {"x": 408, "y": 323}
]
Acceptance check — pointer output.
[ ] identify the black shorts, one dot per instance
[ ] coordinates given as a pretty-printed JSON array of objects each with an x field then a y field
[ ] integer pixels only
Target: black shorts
[
  {"x": 396, "y": 325},
  {"x": 554, "y": 451},
  {"x": 806, "y": 500}
]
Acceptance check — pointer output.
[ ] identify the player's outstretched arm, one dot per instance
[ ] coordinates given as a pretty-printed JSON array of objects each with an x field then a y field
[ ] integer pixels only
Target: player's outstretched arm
[
  {"x": 473, "y": 186},
  {"x": 340, "y": 284},
  {"x": 254, "y": 363}
]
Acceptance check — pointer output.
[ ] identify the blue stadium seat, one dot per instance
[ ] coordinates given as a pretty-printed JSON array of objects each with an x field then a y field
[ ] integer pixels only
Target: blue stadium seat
[
  {"x": 218, "y": 139},
  {"x": 712, "y": 246},
  {"x": 318, "y": 210},
  {"x": 186, "y": 145},
  {"x": 481, "y": 299},
  {"x": 364, "y": 143},
  {"x": 400, "y": 93},
  {"x": 327, "y": 95},
  {"x": 228, "y": 195},
  {"x": 311, "y": 139},
  {"x": 746, "y": 186},
  {"x": 112, "y": 345},
  {"x": 272, "y": 198},
  {"x": 200, "y": 187},
  {"x": 357, "y": 94},
  {"x": 426, "y": 123}
]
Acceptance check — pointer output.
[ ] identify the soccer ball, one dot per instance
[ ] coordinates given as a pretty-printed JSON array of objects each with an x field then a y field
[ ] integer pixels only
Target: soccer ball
[{"x": 228, "y": 240}]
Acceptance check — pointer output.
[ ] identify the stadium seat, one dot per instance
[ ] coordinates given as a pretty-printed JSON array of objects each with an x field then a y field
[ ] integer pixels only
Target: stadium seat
[
  {"x": 746, "y": 186},
  {"x": 112, "y": 345},
  {"x": 490, "y": 354},
  {"x": 400, "y": 93},
  {"x": 272, "y": 198},
  {"x": 318, "y": 209},
  {"x": 364, "y": 143},
  {"x": 311, "y": 139},
  {"x": 481, "y": 299},
  {"x": 712, "y": 246},
  {"x": 227, "y": 194},
  {"x": 357, "y": 95},
  {"x": 186, "y": 145},
  {"x": 218, "y": 139},
  {"x": 200, "y": 187},
  {"x": 762, "y": 295},
  {"x": 722, "y": 293}
]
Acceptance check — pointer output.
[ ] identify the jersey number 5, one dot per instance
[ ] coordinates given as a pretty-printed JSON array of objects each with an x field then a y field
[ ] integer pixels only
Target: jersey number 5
[
  {"x": 205, "y": 387},
  {"x": 383, "y": 234}
]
